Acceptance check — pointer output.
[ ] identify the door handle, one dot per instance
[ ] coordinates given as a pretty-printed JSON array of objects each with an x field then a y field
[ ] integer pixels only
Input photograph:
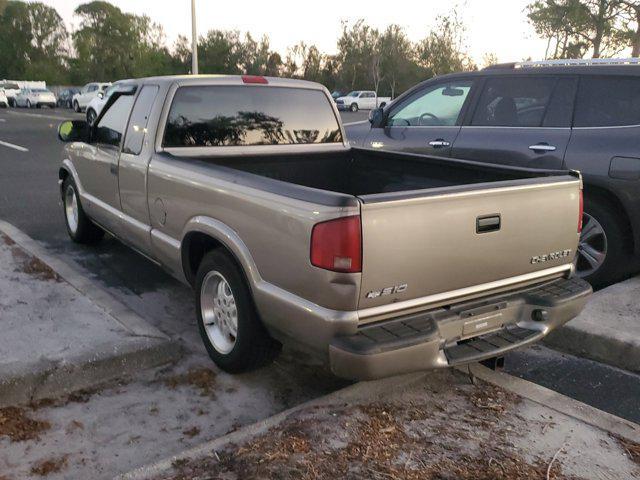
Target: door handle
[
  {"x": 439, "y": 143},
  {"x": 488, "y": 223},
  {"x": 542, "y": 147}
]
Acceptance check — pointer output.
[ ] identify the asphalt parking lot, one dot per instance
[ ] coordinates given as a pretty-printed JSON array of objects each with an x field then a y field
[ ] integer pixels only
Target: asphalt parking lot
[{"x": 29, "y": 199}]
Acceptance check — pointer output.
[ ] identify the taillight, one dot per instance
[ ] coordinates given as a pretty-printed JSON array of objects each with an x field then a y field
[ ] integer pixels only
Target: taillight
[
  {"x": 337, "y": 245},
  {"x": 581, "y": 212},
  {"x": 254, "y": 79}
]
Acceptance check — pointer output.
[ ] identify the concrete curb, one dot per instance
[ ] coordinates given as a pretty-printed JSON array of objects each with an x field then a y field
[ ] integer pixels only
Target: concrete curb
[
  {"x": 371, "y": 390},
  {"x": 607, "y": 330},
  {"x": 147, "y": 347}
]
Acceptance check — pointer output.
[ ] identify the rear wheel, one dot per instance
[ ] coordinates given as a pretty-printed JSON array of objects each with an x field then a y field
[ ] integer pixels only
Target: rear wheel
[
  {"x": 79, "y": 226},
  {"x": 76, "y": 107},
  {"x": 601, "y": 250},
  {"x": 228, "y": 322},
  {"x": 91, "y": 116},
  {"x": 28, "y": 103},
  {"x": 354, "y": 107}
]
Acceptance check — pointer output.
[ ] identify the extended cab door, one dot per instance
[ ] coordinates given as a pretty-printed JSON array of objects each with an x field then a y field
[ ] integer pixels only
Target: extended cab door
[
  {"x": 367, "y": 100},
  {"x": 426, "y": 122},
  {"x": 518, "y": 120},
  {"x": 132, "y": 171}
]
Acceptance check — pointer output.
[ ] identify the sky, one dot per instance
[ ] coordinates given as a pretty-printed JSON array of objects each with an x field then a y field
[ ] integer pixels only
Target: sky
[{"x": 493, "y": 26}]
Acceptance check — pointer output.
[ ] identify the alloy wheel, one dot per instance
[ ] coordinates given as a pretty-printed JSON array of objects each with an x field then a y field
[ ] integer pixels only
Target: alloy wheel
[
  {"x": 219, "y": 312},
  {"x": 592, "y": 247},
  {"x": 71, "y": 208}
]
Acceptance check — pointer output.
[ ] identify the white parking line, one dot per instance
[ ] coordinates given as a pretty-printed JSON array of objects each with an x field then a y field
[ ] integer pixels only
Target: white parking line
[
  {"x": 11, "y": 145},
  {"x": 52, "y": 117},
  {"x": 2, "y": 120},
  {"x": 354, "y": 123}
]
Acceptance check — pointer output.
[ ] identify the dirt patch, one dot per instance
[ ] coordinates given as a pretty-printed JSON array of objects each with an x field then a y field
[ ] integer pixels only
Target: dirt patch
[
  {"x": 80, "y": 396},
  {"x": 203, "y": 379},
  {"x": 394, "y": 440},
  {"x": 50, "y": 465},
  {"x": 191, "y": 432},
  {"x": 18, "y": 426},
  {"x": 7, "y": 241},
  {"x": 632, "y": 448},
  {"x": 33, "y": 266}
]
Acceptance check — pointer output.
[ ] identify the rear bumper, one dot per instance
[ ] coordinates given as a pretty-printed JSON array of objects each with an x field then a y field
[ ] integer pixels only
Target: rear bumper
[{"x": 460, "y": 334}]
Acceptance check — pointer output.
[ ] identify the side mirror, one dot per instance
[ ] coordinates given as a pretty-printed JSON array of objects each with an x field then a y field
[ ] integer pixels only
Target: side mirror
[
  {"x": 376, "y": 117},
  {"x": 100, "y": 95},
  {"x": 74, "y": 131}
]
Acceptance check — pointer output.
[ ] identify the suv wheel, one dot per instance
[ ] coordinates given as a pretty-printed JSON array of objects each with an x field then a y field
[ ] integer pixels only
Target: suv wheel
[
  {"x": 28, "y": 103},
  {"x": 228, "y": 322},
  {"x": 601, "y": 250},
  {"x": 76, "y": 107},
  {"x": 354, "y": 107}
]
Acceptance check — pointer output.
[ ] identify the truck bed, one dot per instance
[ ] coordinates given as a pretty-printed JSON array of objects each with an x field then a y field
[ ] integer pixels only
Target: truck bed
[{"x": 361, "y": 172}]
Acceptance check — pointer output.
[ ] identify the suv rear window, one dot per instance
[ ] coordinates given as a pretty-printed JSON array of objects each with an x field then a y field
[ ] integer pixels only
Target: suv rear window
[
  {"x": 608, "y": 102},
  {"x": 514, "y": 102},
  {"x": 207, "y": 116}
]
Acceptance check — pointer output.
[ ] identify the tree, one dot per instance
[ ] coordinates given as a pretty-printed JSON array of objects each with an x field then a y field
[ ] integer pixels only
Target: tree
[
  {"x": 574, "y": 27},
  {"x": 355, "y": 53},
  {"x": 631, "y": 24},
  {"x": 33, "y": 42},
  {"x": 442, "y": 51},
  {"x": 397, "y": 60}
]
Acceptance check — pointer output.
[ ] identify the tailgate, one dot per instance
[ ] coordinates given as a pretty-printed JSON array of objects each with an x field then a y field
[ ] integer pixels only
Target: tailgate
[{"x": 431, "y": 246}]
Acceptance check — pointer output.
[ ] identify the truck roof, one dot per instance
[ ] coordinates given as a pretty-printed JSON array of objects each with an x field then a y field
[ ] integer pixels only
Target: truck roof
[{"x": 185, "y": 80}]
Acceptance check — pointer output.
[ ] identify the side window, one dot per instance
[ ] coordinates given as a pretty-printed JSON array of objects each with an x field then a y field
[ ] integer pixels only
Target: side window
[
  {"x": 92, "y": 88},
  {"x": 608, "y": 102},
  {"x": 137, "y": 129},
  {"x": 514, "y": 102},
  {"x": 438, "y": 105},
  {"x": 111, "y": 126},
  {"x": 560, "y": 109}
]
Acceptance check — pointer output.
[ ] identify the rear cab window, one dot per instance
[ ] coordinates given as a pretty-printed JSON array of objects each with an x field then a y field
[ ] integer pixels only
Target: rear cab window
[
  {"x": 229, "y": 115},
  {"x": 608, "y": 102}
]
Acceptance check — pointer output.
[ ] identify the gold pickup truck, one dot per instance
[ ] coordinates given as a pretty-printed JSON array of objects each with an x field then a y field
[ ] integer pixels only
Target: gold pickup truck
[{"x": 383, "y": 263}]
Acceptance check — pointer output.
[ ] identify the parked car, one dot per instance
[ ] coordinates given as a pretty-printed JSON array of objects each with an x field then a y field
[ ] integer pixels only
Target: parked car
[
  {"x": 582, "y": 115},
  {"x": 4, "y": 101},
  {"x": 66, "y": 97},
  {"x": 10, "y": 90},
  {"x": 337, "y": 94},
  {"x": 35, "y": 98},
  {"x": 98, "y": 102},
  {"x": 81, "y": 100},
  {"x": 381, "y": 262},
  {"x": 361, "y": 100}
]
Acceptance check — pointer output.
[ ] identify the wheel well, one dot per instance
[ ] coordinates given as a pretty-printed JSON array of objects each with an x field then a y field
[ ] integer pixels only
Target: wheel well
[
  {"x": 603, "y": 196},
  {"x": 195, "y": 246},
  {"x": 63, "y": 173}
]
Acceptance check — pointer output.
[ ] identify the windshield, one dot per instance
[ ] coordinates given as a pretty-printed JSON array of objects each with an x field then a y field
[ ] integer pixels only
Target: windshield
[{"x": 352, "y": 94}]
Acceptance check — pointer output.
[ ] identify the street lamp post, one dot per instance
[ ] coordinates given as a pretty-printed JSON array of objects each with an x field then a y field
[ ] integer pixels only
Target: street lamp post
[{"x": 194, "y": 40}]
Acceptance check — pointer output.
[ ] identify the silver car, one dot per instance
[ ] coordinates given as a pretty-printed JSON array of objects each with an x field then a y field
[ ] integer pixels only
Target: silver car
[{"x": 35, "y": 98}]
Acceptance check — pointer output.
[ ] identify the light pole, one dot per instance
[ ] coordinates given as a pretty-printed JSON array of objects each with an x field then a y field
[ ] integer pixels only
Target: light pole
[{"x": 194, "y": 40}]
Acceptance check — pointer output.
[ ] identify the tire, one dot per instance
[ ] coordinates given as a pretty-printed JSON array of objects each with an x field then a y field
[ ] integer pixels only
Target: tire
[
  {"x": 354, "y": 107},
  {"x": 222, "y": 295},
  {"x": 12, "y": 103},
  {"x": 603, "y": 236},
  {"x": 91, "y": 116},
  {"x": 28, "y": 103},
  {"x": 79, "y": 226},
  {"x": 76, "y": 107}
]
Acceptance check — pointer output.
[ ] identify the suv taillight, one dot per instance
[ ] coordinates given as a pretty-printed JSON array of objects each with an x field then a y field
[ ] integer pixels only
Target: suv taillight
[
  {"x": 337, "y": 245},
  {"x": 581, "y": 212}
]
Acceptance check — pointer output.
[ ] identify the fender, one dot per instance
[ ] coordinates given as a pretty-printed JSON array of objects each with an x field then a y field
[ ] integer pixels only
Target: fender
[
  {"x": 226, "y": 236},
  {"x": 67, "y": 165}
]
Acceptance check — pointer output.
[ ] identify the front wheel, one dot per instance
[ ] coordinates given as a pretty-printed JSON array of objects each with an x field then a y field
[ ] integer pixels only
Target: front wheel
[
  {"x": 601, "y": 249},
  {"x": 354, "y": 107},
  {"x": 28, "y": 103},
  {"x": 229, "y": 325},
  {"x": 79, "y": 226},
  {"x": 76, "y": 107}
]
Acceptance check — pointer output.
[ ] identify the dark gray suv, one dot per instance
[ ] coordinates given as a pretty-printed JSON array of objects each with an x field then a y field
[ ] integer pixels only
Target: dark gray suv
[{"x": 537, "y": 115}]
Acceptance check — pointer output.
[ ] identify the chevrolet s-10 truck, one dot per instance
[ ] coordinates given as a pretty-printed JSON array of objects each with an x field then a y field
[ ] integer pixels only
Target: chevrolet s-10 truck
[{"x": 245, "y": 188}]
